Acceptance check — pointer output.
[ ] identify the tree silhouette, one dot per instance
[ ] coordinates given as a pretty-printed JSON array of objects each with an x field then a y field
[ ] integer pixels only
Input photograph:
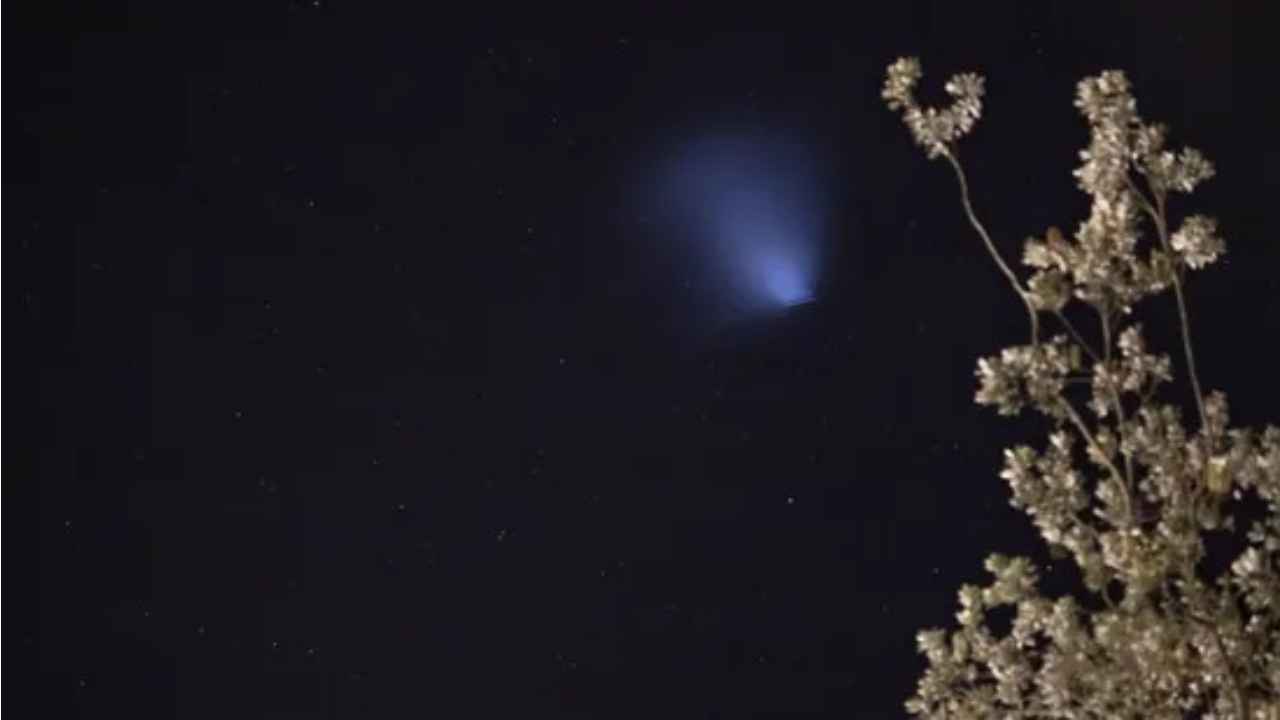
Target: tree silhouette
[{"x": 1121, "y": 486}]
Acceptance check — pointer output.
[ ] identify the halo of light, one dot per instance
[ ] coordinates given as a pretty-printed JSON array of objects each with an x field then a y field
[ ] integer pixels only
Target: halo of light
[{"x": 750, "y": 211}]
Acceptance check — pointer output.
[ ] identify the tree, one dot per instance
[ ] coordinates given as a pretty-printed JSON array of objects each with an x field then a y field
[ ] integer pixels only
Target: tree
[{"x": 1121, "y": 486}]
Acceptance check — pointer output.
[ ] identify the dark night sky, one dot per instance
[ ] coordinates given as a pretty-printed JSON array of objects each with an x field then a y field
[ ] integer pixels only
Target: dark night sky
[{"x": 376, "y": 367}]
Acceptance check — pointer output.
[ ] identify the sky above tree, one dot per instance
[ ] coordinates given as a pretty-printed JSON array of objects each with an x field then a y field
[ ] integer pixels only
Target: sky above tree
[{"x": 377, "y": 366}]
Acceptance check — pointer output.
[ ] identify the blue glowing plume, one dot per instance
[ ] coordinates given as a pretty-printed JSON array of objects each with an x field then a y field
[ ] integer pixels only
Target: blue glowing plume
[
  {"x": 783, "y": 278},
  {"x": 763, "y": 241},
  {"x": 747, "y": 221}
]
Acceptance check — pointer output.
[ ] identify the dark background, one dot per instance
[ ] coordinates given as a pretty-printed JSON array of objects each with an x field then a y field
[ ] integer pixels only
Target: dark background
[{"x": 343, "y": 385}]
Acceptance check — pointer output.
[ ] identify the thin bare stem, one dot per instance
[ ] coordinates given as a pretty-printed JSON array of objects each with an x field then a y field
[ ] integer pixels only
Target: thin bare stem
[
  {"x": 1097, "y": 541},
  {"x": 1241, "y": 701},
  {"x": 1157, "y": 213},
  {"x": 1104, "y": 314},
  {"x": 1163, "y": 230},
  {"x": 991, "y": 248},
  {"x": 1076, "y": 335},
  {"x": 1146, "y": 204},
  {"x": 1088, "y": 437}
]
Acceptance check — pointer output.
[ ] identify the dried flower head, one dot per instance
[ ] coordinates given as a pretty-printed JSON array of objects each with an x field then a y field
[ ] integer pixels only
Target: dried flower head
[
  {"x": 933, "y": 129},
  {"x": 1197, "y": 241}
]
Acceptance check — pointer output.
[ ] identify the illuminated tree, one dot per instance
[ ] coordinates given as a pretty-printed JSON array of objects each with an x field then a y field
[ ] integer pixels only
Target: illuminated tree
[{"x": 1121, "y": 486}]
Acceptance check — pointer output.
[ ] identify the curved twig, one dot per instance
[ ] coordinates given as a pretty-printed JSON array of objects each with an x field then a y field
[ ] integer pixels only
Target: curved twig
[{"x": 949, "y": 154}]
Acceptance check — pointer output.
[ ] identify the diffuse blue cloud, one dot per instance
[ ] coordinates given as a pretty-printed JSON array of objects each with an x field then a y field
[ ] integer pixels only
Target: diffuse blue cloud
[{"x": 747, "y": 217}]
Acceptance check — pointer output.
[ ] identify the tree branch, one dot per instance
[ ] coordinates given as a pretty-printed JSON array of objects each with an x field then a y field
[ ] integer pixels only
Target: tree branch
[
  {"x": 949, "y": 154},
  {"x": 1104, "y": 313},
  {"x": 1085, "y": 433},
  {"x": 1158, "y": 216}
]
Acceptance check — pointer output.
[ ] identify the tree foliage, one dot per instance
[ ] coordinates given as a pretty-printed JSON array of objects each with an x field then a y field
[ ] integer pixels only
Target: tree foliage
[{"x": 1122, "y": 485}]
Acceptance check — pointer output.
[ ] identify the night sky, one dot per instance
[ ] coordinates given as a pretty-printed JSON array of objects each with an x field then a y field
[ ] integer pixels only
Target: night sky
[{"x": 373, "y": 365}]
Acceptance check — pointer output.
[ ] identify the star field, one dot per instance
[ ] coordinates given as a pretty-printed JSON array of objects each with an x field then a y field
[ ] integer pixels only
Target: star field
[{"x": 370, "y": 367}]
